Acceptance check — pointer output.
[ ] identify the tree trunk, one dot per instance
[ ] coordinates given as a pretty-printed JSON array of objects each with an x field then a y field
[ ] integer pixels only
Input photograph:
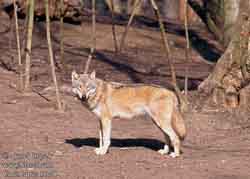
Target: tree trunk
[
  {"x": 18, "y": 48},
  {"x": 218, "y": 15},
  {"x": 62, "y": 35},
  {"x": 229, "y": 81},
  {"x": 93, "y": 46},
  {"x": 51, "y": 56},
  {"x": 29, "y": 44}
]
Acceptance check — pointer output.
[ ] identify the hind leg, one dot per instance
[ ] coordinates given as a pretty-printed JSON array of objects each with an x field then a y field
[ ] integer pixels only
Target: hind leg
[
  {"x": 163, "y": 121},
  {"x": 158, "y": 120},
  {"x": 175, "y": 141},
  {"x": 165, "y": 150}
]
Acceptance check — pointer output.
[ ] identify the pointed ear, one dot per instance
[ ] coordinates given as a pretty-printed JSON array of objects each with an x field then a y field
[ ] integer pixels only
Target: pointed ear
[
  {"x": 74, "y": 75},
  {"x": 92, "y": 75}
]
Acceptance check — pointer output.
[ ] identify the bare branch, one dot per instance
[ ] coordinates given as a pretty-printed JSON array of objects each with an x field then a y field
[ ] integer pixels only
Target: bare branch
[
  {"x": 62, "y": 34},
  {"x": 52, "y": 63},
  {"x": 187, "y": 46},
  {"x": 136, "y": 6},
  {"x": 29, "y": 43},
  {"x": 92, "y": 50},
  {"x": 183, "y": 100},
  {"x": 113, "y": 25},
  {"x": 18, "y": 47}
]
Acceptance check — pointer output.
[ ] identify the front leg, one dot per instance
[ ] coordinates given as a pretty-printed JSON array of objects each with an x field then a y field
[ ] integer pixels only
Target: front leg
[
  {"x": 105, "y": 135},
  {"x": 100, "y": 137},
  {"x": 97, "y": 150}
]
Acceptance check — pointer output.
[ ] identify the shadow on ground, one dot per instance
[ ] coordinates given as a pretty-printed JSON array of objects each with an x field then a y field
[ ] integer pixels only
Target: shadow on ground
[{"x": 152, "y": 144}]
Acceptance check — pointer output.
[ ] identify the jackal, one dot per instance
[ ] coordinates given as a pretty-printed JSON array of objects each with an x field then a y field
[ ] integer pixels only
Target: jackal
[{"x": 110, "y": 99}]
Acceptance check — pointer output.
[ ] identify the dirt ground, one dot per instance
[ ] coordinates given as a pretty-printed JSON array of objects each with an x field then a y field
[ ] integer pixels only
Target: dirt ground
[{"x": 36, "y": 141}]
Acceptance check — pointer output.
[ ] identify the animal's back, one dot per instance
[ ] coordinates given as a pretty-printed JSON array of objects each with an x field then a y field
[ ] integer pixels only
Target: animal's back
[{"x": 133, "y": 99}]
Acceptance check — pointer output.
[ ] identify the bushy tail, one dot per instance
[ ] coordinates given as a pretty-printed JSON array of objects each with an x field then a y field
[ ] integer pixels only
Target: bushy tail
[{"x": 178, "y": 124}]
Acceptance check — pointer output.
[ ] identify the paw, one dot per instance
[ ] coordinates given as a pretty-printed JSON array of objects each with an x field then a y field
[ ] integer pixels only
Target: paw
[
  {"x": 164, "y": 151},
  {"x": 100, "y": 151},
  {"x": 174, "y": 155}
]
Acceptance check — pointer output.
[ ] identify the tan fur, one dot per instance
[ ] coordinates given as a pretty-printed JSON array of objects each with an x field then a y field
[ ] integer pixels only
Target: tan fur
[
  {"x": 109, "y": 100},
  {"x": 179, "y": 125}
]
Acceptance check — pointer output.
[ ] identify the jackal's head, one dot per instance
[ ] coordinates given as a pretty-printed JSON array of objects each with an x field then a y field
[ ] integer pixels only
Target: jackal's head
[{"x": 84, "y": 85}]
